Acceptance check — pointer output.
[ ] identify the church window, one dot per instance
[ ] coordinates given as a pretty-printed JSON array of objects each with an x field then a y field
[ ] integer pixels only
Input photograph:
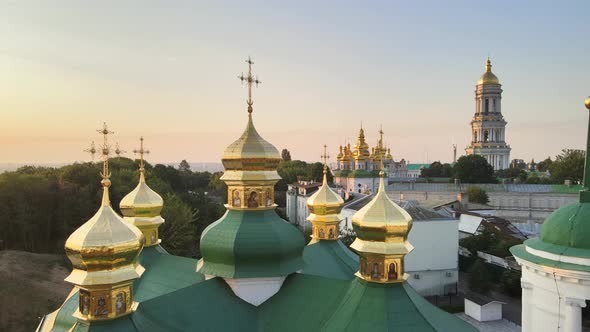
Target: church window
[
  {"x": 486, "y": 106},
  {"x": 485, "y": 136}
]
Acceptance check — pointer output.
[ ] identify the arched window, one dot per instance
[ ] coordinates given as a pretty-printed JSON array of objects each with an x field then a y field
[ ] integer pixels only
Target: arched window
[
  {"x": 486, "y": 106},
  {"x": 486, "y": 136}
]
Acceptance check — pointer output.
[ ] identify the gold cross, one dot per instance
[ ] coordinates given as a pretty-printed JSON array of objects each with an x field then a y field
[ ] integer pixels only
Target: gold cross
[
  {"x": 91, "y": 150},
  {"x": 325, "y": 156},
  {"x": 141, "y": 152},
  {"x": 249, "y": 79},
  {"x": 118, "y": 150},
  {"x": 105, "y": 151}
]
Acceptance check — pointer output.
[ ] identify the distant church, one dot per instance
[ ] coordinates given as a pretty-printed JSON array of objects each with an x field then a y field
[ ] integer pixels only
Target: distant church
[
  {"x": 357, "y": 167},
  {"x": 488, "y": 127}
]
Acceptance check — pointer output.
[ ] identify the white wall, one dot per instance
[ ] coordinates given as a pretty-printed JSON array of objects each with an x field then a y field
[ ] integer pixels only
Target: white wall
[
  {"x": 436, "y": 245},
  {"x": 473, "y": 310},
  {"x": 434, "y": 282},
  {"x": 491, "y": 311}
]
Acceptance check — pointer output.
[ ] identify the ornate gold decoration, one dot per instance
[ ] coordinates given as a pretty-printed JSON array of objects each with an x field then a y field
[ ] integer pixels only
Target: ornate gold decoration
[
  {"x": 142, "y": 206},
  {"x": 587, "y": 103},
  {"x": 324, "y": 207},
  {"x": 382, "y": 229},
  {"x": 104, "y": 252},
  {"x": 250, "y": 163},
  {"x": 361, "y": 148},
  {"x": 488, "y": 77}
]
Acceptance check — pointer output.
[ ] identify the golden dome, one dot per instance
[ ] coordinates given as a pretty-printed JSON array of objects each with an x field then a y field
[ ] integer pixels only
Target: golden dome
[
  {"x": 389, "y": 156},
  {"x": 382, "y": 226},
  {"x": 251, "y": 156},
  {"x": 142, "y": 202},
  {"x": 104, "y": 250},
  {"x": 488, "y": 77},
  {"x": 587, "y": 103},
  {"x": 325, "y": 201},
  {"x": 340, "y": 154},
  {"x": 324, "y": 207}
]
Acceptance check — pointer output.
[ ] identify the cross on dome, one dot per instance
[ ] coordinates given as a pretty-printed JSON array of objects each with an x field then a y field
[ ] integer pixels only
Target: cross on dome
[
  {"x": 249, "y": 79},
  {"x": 141, "y": 152}
]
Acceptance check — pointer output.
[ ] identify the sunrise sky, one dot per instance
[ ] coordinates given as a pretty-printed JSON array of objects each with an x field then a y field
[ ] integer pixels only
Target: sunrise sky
[{"x": 168, "y": 70}]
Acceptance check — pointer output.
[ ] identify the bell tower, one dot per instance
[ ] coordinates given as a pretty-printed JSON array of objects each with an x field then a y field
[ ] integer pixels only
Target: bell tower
[{"x": 488, "y": 127}]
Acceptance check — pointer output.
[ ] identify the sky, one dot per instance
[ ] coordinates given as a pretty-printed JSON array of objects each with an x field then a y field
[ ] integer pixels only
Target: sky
[{"x": 167, "y": 70}]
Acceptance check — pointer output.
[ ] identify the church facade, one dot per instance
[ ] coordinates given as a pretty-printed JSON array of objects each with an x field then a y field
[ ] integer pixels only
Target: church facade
[{"x": 488, "y": 127}]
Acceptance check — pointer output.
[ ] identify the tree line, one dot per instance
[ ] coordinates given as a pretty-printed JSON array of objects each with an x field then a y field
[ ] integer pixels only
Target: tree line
[
  {"x": 568, "y": 165},
  {"x": 41, "y": 206}
]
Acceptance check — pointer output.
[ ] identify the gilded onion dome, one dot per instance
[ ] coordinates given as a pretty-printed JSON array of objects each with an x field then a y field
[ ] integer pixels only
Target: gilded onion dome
[
  {"x": 488, "y": 77},
  {"x": 389, "y": 156},
  {"x": 382, "y": 229},
  {"x": 340, "y": 154},
  {"x": 324, "y": 208},
  {"x": 104, "y": 250},
  {"x": 347, "y": 153},
  {"x": 141, "y": 207},
  {"x": 361, "y": 148},
  {"x": 104, "y": 253},
  {"x": 250, "y": 157}
]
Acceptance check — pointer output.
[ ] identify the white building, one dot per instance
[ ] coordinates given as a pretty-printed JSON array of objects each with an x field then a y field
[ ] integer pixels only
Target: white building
[
  {"x": 483, "y": 309},
  {"x": 297, "y": 195},
  {"x": 488, "y": 127}
]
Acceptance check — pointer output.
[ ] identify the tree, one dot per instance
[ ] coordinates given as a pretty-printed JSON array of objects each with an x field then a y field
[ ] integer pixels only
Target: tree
[
  {"x": 479, "y": 277},
  {"x": 569, "y": 165},
  {"x": 286, "y": 155},
  {"x": 437, "y": 170},
  {"x": 474, "y": 169},
  {"x": 184, "y": 166},
  {"x": 544, "y": 165},
  {"x": 477, "y": 195},
  {"x": 178, "y": 230}
]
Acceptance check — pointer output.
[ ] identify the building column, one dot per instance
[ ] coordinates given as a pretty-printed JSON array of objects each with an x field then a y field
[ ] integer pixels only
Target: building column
[
  {"x": 573, "y": 314},
  {"x": 527, "y": 306}
]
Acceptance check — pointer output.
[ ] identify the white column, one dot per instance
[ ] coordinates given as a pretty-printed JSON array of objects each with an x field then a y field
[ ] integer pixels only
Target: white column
[
  {"x": 573, "y": 314},
  {"x": 527, "y": 306}
]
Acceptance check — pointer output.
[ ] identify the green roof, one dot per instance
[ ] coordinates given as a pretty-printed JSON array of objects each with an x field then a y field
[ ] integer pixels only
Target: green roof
[
  {"x": 305, "y": 303},
  {"x": 251, "y": 244},
  {"x": 520, "y": 252},
  {"x": 417, "y": 167},
  {"x": 330, "y": 259},
  {"x": 568, "y": 226}
]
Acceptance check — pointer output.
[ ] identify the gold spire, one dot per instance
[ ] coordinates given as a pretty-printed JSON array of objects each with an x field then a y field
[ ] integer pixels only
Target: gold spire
[
  {"x": 250, "y": 163},
  {"x": 142, "y": 206},
  {"x": 382, "y": 229},
  {"x": 249, "y": 79},
  {"x": 104, "y": 252},
  {"x": 488, "y": 77},
  {"x": 361, "y": 148},
  {"x": 324, "y": 207}
]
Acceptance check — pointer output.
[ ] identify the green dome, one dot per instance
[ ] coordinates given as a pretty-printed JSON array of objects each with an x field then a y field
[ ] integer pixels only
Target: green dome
[
  {"x": 568, "y": 226},
  {"x": 251, "y": 244}
]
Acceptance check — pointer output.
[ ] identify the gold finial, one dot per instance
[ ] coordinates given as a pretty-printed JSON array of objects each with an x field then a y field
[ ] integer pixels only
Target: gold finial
[
  {"x": 141, "y": 152},
  {"x": 488, "y": 65},
  {"x": 118, "y": 150},
  {"x": 587, "y": 103},
  {"x": 249, "y": 79},
  {"x": 91, "y": 150}
]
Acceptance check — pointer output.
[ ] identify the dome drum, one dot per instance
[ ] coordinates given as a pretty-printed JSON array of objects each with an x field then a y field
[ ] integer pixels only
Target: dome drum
[
  {"x": 382, "y": 269},
  {"x": 250, "y": 197},
  {"x": 105, "y": 302}
]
